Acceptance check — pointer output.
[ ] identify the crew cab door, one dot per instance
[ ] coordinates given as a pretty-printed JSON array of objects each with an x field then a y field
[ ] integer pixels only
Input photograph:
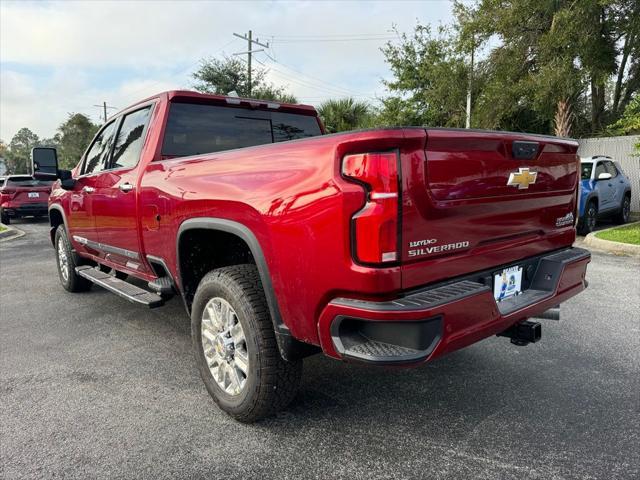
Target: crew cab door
[
  {"x": 81, "y": 217},
  {"x": 116, "y": 206}
]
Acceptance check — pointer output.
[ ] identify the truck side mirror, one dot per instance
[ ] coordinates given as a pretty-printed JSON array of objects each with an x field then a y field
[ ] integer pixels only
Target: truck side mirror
[
  {"x": 44, "y": 163},
  {"x": 604, "y": 176}
]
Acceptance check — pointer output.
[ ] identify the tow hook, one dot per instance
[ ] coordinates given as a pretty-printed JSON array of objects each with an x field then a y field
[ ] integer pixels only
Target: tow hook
[{"x": 523, "y": 333}]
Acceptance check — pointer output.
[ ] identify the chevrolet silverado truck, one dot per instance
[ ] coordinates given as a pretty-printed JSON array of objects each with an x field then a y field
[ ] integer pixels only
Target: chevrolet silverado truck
[{"x": 387, "y": 246}]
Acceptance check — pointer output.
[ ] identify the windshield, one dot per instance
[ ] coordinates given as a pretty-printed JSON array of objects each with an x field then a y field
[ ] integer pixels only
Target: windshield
[
  {"x": 586, "y": 170},
  {"x": 193, "y": 129}
]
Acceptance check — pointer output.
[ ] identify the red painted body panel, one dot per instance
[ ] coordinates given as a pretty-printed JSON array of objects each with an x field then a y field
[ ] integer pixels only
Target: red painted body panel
[{"x": 293, "y": 198}]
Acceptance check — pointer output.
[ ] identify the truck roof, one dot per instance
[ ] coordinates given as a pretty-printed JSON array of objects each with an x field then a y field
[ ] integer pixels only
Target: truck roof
[{"x": 197, "y": 97}]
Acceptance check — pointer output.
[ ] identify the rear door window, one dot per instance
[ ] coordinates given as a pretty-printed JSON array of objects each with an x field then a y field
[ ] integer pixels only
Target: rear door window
[
  {"x": 98, "y": 154},
  {"x": 128, "y": 144},
  {"x": 194, "y": 129}
]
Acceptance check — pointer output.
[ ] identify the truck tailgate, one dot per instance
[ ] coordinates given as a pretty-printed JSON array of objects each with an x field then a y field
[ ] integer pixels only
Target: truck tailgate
[{"x": 477, "y": 199}]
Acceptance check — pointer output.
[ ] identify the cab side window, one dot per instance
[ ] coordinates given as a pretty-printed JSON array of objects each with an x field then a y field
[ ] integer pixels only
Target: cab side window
[
  {"x": 611, "y": 168},
  {"x": 128, "y": 144},
  {"x": 600, "y": 168},
  {"x": 98, "y": 155}
]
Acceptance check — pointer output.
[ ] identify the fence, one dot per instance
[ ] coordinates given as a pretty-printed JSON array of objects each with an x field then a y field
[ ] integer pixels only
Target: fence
[{"x": 620, "y": 149}]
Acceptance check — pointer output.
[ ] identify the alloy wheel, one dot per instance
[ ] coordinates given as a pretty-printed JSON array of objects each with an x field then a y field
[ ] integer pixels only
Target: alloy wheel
[
  {"x": 63, "y": 260},
  {"x": 225, "y": 346}
]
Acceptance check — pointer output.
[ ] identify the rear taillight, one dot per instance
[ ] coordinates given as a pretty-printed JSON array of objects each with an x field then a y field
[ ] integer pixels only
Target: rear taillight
[{"x": 375, "y": 226}]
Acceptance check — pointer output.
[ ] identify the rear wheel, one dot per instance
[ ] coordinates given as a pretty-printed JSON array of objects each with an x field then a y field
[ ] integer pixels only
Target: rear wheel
[
  {"x": 625, "y": 210},
  {"x": 589, "y": 219},
  {"x": 4, "y": 218},
  {"x": 235, "y": 345},
  {"x": 67, "y": 262}
]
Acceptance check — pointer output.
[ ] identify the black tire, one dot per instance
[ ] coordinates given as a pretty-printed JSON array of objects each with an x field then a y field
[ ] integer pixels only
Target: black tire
[
  {"x": 272, "y": 382},
  {"x": 73, "y": 282},
  {"x": 588, "y": 219},
  {"x": 625, "y": 210},
  {"x": 4, "y": 218}
]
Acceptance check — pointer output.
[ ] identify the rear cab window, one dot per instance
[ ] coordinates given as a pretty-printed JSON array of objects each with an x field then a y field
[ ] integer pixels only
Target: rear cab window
[{"x": 194, "y": 129}]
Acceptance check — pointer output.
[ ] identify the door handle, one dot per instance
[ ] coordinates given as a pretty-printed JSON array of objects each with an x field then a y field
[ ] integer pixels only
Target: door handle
[
  {"x": 88, "y": 189},
  {"x": 125, "y": 187}
]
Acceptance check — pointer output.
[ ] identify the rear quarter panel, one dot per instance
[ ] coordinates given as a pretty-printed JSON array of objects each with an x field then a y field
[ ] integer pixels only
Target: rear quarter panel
[{"x": 293, "y": 199}]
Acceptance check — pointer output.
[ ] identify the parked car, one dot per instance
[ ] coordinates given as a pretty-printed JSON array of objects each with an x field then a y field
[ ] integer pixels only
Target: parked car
[
  {"x": 23, "y": 196},
  {"x": 387, "y": 246},
  {"x": 605, "y": 192}
]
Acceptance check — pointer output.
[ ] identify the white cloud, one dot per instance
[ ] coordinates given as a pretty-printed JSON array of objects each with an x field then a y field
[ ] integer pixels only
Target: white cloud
[{"x": 122, "y": 51}]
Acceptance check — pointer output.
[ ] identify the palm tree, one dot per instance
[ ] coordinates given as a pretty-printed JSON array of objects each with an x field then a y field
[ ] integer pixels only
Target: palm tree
[{"x": 345, "y": 114}]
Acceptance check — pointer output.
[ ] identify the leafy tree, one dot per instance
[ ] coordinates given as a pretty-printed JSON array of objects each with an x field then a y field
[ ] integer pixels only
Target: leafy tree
[
  {"x": 629, "y": 123},
  {"x": 345, "y": 114},
  {"x": 18, "y": 158},
  {"x": 556, "y": 60},
  {"x": 222, "y": 76},
  {"x": 72, "y": 139},
  {"x": 430, "y": 80}
]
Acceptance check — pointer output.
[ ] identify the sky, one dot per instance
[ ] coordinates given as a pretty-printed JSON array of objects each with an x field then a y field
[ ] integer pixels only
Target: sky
[{"x": 58, "y": 57}]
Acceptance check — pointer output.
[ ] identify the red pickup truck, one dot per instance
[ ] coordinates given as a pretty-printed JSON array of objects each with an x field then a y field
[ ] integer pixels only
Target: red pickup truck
[{"x": 387, "y": 246}]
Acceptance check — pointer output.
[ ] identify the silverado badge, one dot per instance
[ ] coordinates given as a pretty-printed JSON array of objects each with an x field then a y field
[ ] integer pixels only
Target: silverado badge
[{"x": 522, "y": 179}]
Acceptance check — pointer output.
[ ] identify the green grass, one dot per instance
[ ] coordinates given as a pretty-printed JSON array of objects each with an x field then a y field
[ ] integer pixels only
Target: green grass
[
  {"x": 626, "y": 234},
  {"x": 2, "y": 228}
]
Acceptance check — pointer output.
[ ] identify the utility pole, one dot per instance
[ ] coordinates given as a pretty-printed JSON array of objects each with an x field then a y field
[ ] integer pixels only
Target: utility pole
[
  {"x": 473, "y": 51},
  {"x": 250, "y": 41},
  {"x": 104, "y": 109}
]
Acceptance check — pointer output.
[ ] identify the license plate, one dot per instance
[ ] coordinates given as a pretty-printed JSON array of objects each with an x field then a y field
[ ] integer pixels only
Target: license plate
[
  {"x": 507, "y": 283},
  {"x": 34, "y": 195}
]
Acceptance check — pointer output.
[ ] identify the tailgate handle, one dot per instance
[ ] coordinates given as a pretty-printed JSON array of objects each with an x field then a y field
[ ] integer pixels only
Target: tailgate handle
[{"x": 524, "y": 150}]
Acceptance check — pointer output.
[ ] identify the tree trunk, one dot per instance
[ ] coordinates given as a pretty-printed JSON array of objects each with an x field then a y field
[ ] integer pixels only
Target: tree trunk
[
  {"x": 597, "y": 104},
  {"x": 628, "y": 41},
  {"x": 563, "y": 119}
]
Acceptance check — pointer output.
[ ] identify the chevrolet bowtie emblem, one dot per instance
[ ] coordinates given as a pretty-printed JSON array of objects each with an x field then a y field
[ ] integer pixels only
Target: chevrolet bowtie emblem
[{"x": 522, "y": 179}]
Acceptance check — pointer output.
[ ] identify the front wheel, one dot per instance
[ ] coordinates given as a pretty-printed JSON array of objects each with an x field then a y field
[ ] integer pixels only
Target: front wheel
[
  {"x": 235, "y": 345},
  {"x": 4, "y": 218},
  {"x": 67, "y": 263},
  {"x": 625, "y": 210},
  {"x": 588, "y": 220}
]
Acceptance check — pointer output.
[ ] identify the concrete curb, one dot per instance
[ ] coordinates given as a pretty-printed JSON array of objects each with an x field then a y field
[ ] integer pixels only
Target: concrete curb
[
  {"x": 615, "y": 248},
  {"x": 10, "y": 233}
]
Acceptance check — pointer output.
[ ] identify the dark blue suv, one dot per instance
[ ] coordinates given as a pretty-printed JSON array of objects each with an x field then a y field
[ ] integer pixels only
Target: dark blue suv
[{"x": 605, "y": 192}]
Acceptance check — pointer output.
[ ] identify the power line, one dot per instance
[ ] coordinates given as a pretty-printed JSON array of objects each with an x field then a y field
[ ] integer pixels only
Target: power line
[
  {"x": 249, "y": 53},
  {"x": 179, "y": 74},
  {"x": 314, "y": 81},
  {"x": 104, "y": 109},
  {"x": 376, "y": 39}
]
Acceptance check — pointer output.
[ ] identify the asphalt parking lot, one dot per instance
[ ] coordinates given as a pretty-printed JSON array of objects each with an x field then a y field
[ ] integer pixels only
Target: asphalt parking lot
[{"x": 94, "y": 387}]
